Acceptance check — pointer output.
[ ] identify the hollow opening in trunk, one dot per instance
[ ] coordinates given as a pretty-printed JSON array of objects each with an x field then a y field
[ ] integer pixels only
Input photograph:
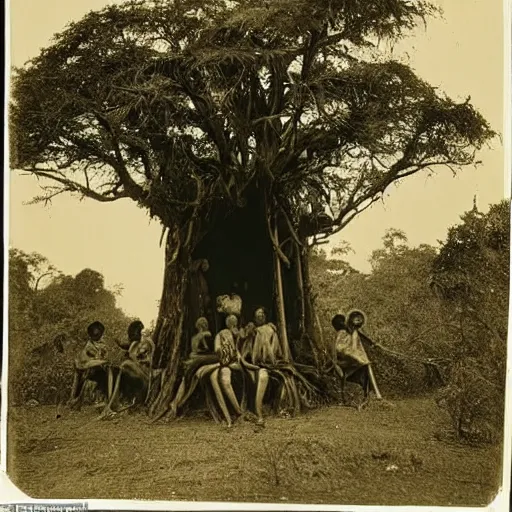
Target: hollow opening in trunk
[{"x": 241, "y": 258}]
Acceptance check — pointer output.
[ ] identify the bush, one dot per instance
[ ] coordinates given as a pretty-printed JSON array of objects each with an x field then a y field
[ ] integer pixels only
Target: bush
[{"x": 474, "y": 403}]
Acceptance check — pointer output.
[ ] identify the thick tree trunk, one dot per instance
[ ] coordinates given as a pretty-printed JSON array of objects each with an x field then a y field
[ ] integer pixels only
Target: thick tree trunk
[
  {"x": 169, "y": 330},
  {"x": 309, "y": 314},
  {"x": 309, "y": 308}
]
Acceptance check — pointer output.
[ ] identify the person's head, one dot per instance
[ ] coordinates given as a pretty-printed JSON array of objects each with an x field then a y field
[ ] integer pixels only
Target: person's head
[
  {"x": 96, "y": 331},
  {"x": 338, "y": 322},
  {"x": 205, "y": 266},
  {"x": 135, "y": 330},
  {"x": 202, "y": 324},
  {"x": 231, "y": 321},
  {"x": 356, "y": 319},
  {"x": 260, "y": 316}
]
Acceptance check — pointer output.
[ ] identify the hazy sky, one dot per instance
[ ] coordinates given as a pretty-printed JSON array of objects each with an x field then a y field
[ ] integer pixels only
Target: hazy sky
[{"x": 462, "y": 54}]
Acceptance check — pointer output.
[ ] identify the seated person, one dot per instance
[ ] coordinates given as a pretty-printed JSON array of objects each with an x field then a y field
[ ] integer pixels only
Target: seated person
[
  {"x": 200, "y": 359},
  {"x": 262, "y": 348},
  {"x": 349, "y": 349},
  {"x": 351, "y": 355},
  {"x": 225, "y": 347},
  {"x": 266, "y": 347},
  {"x": 135, "y": 372},
  {"x": 91, "y": 365},
  {"x": 201, "y": 340}
]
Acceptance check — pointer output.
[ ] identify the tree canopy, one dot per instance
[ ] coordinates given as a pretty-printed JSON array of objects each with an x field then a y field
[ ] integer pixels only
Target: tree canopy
[{"x": 182, "y": 104}]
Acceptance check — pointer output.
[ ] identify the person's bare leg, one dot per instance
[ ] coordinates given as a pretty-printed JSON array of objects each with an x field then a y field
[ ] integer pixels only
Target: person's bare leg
[
  {"x": 113, "y": 404},
  {"x": 374, "y": 383},
  {"x": 214, "y": 379},
  {"x": 260, "y": 393},
  {"x": 225, "y": 380},
  {"x": 110, "y": 377},
  {"x": 177, "y": 399},
  {"x": 75, "y": 394},
  {"x": 202, "y": 371}
]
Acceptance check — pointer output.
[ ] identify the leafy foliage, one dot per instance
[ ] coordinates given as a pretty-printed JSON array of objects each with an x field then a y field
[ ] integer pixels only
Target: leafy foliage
[
  {"x": 403, "y": 313},
  {"x": 448, "y": 305},
  {"x": 48, "y": 325},
  {"x": 179, "y": 105},
  {"x": 471, "y": 275}
]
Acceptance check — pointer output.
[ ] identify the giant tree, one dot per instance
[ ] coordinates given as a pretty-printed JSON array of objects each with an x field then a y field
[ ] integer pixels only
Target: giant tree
[{"x": 250, "y": 129}]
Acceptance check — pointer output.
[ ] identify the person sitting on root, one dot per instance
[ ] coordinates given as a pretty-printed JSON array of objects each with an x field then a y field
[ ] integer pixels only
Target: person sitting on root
[
  {"x": 225, "y": 347},
  {"x": 135, "y": 372},
  {"x": 261, "y": 351},
  {"x": 91, "y": 364},
  {"x": 217, "y": 366},
  {"x": 200, "y": 344},
  {"x": 201, "y": 362}
]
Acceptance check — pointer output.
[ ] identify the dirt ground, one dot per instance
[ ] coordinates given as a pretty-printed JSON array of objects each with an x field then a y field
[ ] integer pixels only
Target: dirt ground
[{"x": 385, "y": 454}]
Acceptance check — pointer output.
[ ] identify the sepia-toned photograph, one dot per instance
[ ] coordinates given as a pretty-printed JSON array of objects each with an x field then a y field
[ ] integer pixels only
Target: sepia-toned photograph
[{"x": 258, "y": 251}]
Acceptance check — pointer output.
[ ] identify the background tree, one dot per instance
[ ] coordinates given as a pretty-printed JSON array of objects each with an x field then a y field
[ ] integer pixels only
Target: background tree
[
  {"x": 472, "y": 275},
  {"x": 282, "y": 111}
]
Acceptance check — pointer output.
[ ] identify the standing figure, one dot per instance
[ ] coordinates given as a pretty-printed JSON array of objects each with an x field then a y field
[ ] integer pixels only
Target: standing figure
[
  {"x": 135, "y": 372},
  {"x": 91, "y": 365},
  {"x": 198, "y": 301}
]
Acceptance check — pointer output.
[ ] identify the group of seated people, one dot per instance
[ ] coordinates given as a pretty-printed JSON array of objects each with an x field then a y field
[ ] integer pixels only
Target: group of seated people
[
  {"x": 253, "y": 350},
  {"x": 94, "y": 364}
]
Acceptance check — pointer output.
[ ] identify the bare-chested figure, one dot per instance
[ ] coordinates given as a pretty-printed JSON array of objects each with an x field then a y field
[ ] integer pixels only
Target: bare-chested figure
[
  {"x": 91, "y": 365},
  {"x": 217, "y": 366},
  {"x": 201, "y": 340},
  {"x": 200, "y": 361},
  {"x": 226, "y": 348},
  {"x": 263, "y": 348},
  {"x": 135, "y": 372}
]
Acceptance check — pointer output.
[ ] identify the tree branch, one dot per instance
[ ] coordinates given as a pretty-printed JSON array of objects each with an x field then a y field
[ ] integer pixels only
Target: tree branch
[{"x": 73, "y": 186}]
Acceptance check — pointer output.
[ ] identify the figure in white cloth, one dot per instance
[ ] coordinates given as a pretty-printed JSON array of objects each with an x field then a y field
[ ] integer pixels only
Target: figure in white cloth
[{"x": 350, "y": 355}]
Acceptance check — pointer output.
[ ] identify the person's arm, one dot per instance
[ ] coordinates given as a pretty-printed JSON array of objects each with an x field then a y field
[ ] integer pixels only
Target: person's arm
[
  {"x": 90, "y": 350},
  {"x": 367, "y": 339},
  {"x": 217, "y": 343},
  {"x": 133, "y": 350},
  {"x": 149, "y": 352},
  {"x": 203, "y": 345}
]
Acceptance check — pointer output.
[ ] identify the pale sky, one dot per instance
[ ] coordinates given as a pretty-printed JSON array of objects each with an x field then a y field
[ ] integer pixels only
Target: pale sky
[{"x": 462, "y": 54}]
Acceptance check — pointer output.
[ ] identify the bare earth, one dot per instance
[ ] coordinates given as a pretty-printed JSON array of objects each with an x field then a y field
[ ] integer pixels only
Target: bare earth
[{"x": 388, "y": 455}]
